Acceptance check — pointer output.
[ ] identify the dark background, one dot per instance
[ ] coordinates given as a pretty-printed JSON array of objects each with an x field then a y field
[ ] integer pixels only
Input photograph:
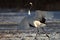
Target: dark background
[{"x": 45, "y": 5}]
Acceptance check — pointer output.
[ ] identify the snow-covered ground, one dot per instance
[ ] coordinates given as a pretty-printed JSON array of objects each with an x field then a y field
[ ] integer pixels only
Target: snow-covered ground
[{"x": 22, "y": 31}]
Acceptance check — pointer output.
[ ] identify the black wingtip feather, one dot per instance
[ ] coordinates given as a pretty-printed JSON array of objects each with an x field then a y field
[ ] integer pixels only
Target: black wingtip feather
[{"x": 31, "y": 25}]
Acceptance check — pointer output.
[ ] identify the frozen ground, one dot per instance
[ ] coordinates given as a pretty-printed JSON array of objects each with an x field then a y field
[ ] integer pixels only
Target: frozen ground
[{"x": 17, "y": 27}]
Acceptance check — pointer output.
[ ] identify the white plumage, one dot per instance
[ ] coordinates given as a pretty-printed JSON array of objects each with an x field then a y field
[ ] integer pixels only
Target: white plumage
[{"x": 38, "y": 24}]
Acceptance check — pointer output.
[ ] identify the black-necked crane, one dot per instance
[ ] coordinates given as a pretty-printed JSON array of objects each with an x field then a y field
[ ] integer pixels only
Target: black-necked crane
[{"x": 39, "y": 23}]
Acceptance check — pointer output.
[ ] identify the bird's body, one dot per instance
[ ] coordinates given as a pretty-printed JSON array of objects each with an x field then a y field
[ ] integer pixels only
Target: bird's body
[{"x": 39, "y": 23}]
